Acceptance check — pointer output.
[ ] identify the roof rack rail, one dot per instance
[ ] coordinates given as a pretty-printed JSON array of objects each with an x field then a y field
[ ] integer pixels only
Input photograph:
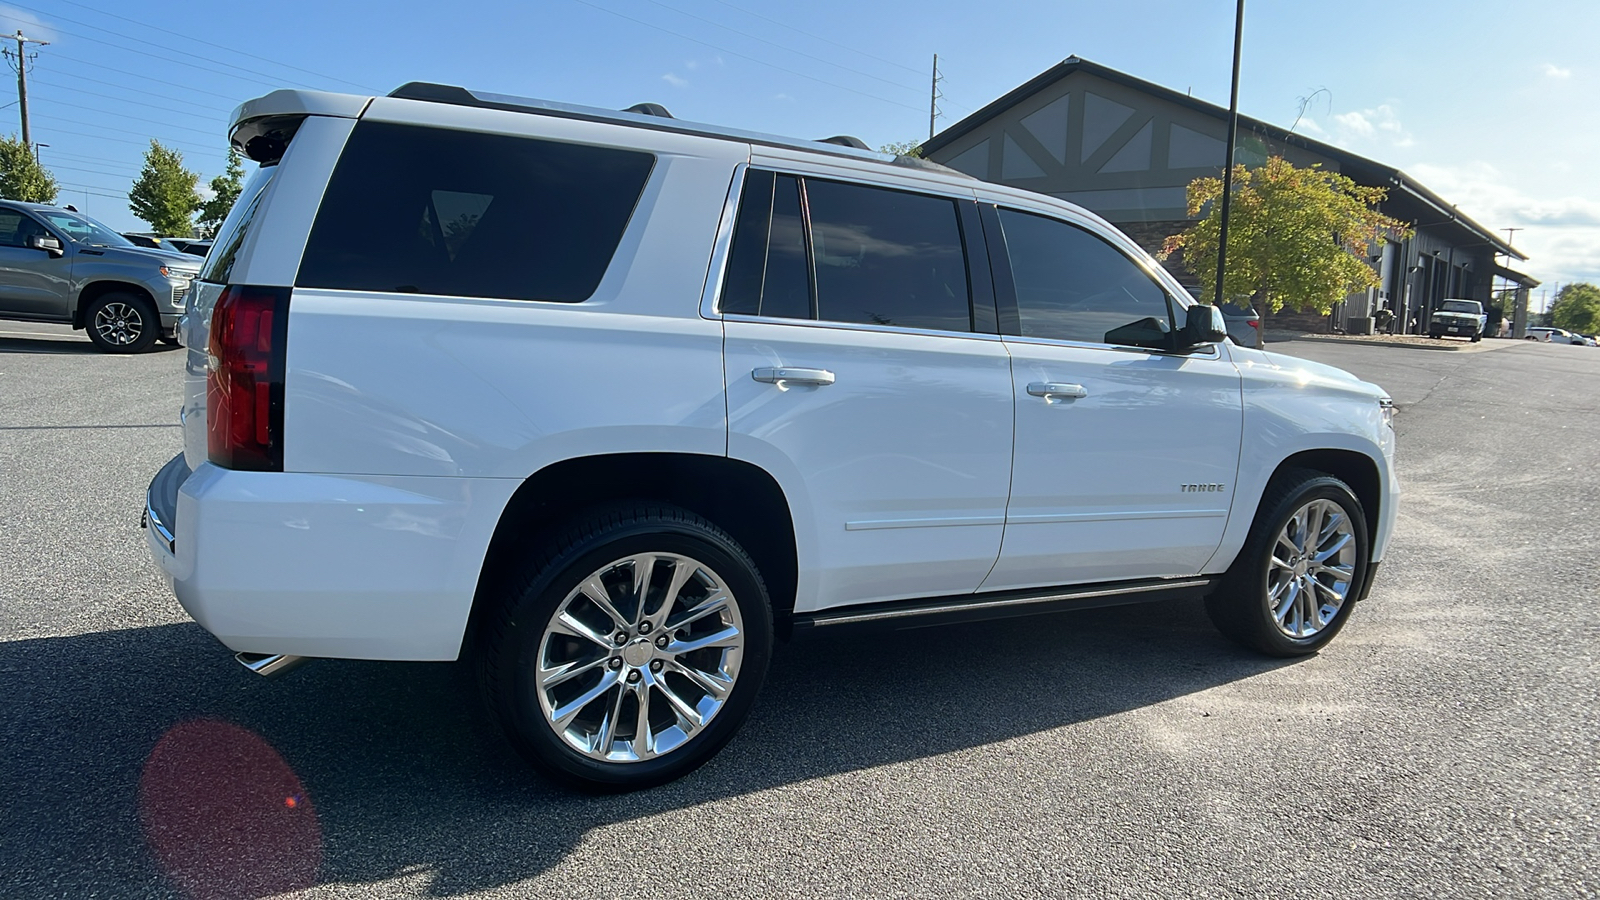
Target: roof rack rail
[
  {"x": 649, "y": 109},
  {"x": 845, "y": 140}
]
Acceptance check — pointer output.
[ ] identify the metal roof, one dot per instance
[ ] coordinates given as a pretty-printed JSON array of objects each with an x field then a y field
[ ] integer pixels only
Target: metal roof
[{"x": 1362, "y": 170}]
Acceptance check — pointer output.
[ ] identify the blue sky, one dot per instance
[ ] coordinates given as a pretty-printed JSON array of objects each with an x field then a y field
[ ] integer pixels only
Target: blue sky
[{"x": 1490, "y": 107}]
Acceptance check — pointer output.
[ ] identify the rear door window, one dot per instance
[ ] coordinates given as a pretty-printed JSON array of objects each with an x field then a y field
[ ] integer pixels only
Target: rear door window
[
  {"x": 456, "y": 213},
  {"x": 807, "y": 248}
]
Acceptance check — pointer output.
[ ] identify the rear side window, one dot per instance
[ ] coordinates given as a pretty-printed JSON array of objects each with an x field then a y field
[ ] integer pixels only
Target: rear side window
[
  {"x": 456, "y": 213},
  {"x": 805, "y": 248},
  {"x": 218, "y": 267}
]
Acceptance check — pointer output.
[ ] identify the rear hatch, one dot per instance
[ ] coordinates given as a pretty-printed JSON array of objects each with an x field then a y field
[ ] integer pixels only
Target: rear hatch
[{"x": 296, "y": 137}]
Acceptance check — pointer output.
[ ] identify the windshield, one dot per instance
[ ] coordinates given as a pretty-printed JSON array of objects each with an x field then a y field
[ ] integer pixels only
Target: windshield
[
  {"x": 1462, "y": 306},
  {"x": 82, "y": 229}
]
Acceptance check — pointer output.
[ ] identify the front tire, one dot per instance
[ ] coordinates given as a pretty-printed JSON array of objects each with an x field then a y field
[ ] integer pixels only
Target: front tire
[
  {"x": 120, "y": 322},
  {"x": 630, "y": 648},
  {"x": 1294, "y": 584}
]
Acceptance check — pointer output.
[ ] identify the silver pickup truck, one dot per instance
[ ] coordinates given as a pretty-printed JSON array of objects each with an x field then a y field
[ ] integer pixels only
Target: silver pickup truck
[{"x": 58, "y": 265}]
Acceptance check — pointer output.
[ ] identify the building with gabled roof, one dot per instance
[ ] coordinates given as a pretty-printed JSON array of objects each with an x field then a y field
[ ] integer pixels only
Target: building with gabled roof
[{"x": 1127, "y": 149}]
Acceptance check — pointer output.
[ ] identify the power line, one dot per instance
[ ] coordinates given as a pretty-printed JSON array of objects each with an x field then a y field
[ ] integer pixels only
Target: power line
[
  {"x": 54, "y": 166},
  {"x": 107, "y": 112},
  {"x": 231, "y": 98},
  {"x": 183, "y": 58},
  {"x": 210, "y": 114},
  {"x": 138, "y": 134},
  {"x": 746, "y": 57},
  {"x": 223, "y": 47},
  {"x": 170, "y": 59},
  {"x": 782, "y": 47}
]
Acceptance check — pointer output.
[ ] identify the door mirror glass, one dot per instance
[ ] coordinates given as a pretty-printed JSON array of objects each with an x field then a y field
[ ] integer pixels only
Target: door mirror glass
[
  {"x": 47, "y": 243},
  {"x": 1204, "y": 325}
]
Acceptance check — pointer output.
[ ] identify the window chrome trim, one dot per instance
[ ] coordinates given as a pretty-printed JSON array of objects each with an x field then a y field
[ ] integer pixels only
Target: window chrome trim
[
  {"x": 856, "y": 326},
  {"x": 1203, "y": 351},
  {"x": 717, "y": 272}
]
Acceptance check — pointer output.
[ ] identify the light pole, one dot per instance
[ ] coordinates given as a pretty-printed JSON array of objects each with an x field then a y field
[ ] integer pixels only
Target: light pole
[{"x": 1227, "y": 170}]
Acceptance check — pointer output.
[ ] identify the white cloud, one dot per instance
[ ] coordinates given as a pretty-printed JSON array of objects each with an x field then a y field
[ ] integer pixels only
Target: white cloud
[
  {"x": 1561, "y": 236},
  {"x": 692, "y": 64},
  {"x": 676, "y": 81},
  {"x": 12, "y": 19},
  {"x": 1380, "y": 125},
  {"x": 1554, "y": 71}
]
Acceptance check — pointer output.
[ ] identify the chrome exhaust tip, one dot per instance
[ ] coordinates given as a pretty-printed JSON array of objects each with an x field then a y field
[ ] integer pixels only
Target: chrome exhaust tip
[{"x": 270, "y": 665}]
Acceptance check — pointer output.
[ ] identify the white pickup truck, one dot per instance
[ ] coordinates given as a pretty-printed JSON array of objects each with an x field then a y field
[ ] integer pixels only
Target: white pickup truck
[
  {"x": 612, "y": 401},
  {"x": 1458, "y": 318}
]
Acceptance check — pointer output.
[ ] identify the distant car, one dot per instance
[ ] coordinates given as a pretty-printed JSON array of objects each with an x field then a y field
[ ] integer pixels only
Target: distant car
[
  {"x": 1554, "y": 335},
  {"x": 1244, "y": 325},
  {"x": 151, "y": 242},
  {"x": 191, "y": 246},
  {"x": 1458, "y": 318}
]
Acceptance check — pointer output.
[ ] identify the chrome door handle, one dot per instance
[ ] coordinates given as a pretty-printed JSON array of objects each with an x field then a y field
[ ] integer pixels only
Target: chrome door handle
[
  {"x": 1051, "y": 390},
  {"x": 785, "y": 377}
]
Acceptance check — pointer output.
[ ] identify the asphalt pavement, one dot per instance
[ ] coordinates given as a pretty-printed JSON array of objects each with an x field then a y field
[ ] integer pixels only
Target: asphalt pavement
[{"x": 1445, "y": 744}]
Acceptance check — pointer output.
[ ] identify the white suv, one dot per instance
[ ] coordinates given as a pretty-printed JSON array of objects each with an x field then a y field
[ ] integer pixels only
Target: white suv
[{"x": 610, "y": 400}]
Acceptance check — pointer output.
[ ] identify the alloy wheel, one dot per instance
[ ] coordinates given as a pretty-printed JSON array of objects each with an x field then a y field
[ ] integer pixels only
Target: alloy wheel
[
  {"x": 1312, "y": 569},
  {"x": 639, "y": 657},
  {"x": 119, "y": 324}
]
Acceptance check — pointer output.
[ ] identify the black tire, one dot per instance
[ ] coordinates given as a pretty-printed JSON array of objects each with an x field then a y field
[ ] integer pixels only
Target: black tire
[
  {"x": 171, "y": 340},
  {"x": 512, "y": 645},
  {"x": 1477, "y": 336},
  {"x": 1241, "y": 608},
  {"x": 120, "y": 322}
]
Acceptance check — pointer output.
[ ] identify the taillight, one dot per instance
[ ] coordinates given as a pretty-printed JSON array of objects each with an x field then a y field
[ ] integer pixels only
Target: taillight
[{"x": 244, "y": 378}]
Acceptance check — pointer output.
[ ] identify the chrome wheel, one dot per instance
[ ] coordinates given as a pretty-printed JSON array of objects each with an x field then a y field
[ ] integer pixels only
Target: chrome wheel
[
  {"x": 119, "y": 324},
  {"x": 1312, "y": 568},
  {"x": 639, "y": 657}
]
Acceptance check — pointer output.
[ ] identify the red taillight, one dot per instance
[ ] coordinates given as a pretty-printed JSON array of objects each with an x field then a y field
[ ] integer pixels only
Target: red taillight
[
  {"x": 244, "y": 380},
  {"x": 1254, "y": 323}
]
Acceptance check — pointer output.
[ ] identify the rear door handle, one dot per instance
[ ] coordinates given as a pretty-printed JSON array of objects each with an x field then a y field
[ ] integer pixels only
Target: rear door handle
[
  {"x": 786, "y": 377},
  {"x": 1051, "y": 390}
]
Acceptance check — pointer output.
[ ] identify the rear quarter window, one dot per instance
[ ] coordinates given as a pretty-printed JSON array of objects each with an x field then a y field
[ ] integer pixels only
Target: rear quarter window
[{"x": 455, "y": 213}]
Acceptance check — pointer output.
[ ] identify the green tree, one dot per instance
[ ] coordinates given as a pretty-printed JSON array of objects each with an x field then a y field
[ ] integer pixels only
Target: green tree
[
  {"x": 1577, "y": 308},
  {"x": 164, "y": 194},
  {"x": 21, "y": 176},
  {"x": 225, "y": 190},
  {"x": 902, "y": 148},
  {"x": 1296, "y": 237}
]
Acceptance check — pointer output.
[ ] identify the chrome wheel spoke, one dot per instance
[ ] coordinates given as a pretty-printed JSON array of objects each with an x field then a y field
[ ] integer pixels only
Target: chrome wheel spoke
[
  {"x": 680, "y": 706},
  {"x": 564, "y": 714},
  {"x": 598, "y": 594},
  {"x": 550, "y": 677},
  {"x": 608, "y": 725},
  {"x": 643, "y": 740},
  {"x": 566, "y": 624},
  {"x": 727, "y": 637},
  {"x": 1332, "y": 548},
  {"x": 718, "y": 688},
  {"x": 713, "y": 604},
  {"x": 680, "y": 576}
]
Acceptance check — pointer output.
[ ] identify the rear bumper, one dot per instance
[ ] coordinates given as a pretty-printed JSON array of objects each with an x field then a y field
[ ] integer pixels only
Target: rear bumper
[{"x": 358, "y": 567}]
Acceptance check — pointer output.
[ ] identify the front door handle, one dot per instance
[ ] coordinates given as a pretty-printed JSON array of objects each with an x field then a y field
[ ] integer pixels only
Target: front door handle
[
  {"x": 1051, "y": 390},
  {"x": 786, "y": 377}
]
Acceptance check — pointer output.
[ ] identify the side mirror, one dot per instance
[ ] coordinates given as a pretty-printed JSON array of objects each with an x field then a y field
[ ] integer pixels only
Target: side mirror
[
  {"x": 1146, "y": 332},
  {"x": 47, "y": 243},
  {"x": 1204, "y": 325}
]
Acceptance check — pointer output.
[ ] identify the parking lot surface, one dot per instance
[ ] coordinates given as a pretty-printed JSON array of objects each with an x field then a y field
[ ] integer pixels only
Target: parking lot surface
[{"x": 1443, "y": 745}]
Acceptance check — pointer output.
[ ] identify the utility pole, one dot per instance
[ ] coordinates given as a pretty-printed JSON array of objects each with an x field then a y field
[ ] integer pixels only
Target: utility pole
[
  {"x": 1227, "y": 171},
  {"x": 933, "y": 96},
  {"x": 20, "y": 61}
]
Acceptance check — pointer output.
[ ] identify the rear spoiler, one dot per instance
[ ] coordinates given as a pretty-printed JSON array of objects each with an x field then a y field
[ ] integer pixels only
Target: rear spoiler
[{"x": 263, "y": 127}]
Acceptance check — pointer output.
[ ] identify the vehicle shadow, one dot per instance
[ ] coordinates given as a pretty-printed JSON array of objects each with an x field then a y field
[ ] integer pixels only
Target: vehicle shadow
[
  {"x": 405, "y": 774},
  {"x": 65, "y": 345}
]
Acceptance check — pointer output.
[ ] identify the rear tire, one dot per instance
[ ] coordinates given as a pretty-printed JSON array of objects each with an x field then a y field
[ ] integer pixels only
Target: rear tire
[
  {"x": 120, "y": 322},
  {"x": 643, "y": 686},
  {"x": 1294, "y": 584}
]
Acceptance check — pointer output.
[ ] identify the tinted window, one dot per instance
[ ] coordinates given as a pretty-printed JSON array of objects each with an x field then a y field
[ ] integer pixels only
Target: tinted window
[
  {"x": 767, "y": 270},
  {"x": 431, "y": 211},
  {"x": 887, "y": 257},
  {"x": 12, "y": 230},
  {"x": 1072, "y": 285}
]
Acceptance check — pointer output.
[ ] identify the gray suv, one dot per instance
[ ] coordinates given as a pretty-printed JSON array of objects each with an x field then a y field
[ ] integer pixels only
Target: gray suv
[{"x": 57, "y": 265}]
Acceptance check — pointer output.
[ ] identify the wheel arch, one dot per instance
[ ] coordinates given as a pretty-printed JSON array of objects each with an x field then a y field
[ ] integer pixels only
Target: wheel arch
[
  {"x": 737, "y": 496},
  {"x": 94, "y": 290},
  {"x": 1352, "y": 467}
]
